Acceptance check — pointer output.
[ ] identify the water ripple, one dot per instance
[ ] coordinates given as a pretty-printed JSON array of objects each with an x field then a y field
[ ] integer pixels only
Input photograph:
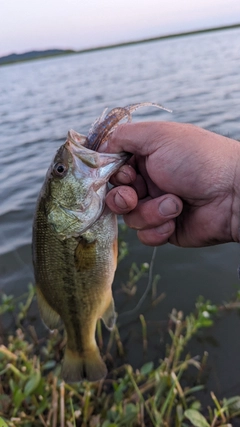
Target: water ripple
[{"x": 197, "y": 77}]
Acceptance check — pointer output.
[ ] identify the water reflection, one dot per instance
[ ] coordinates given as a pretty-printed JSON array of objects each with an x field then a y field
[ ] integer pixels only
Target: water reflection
[{"x": 197, "y": 77}]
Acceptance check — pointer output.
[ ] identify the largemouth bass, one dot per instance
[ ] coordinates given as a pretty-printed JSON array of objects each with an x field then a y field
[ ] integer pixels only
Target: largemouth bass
[{"x": 75, "y": 244}]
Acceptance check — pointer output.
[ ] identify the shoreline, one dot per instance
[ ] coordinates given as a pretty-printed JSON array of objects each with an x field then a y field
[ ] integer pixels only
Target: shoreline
[
  {"x": 164, "y": 37},
  {"x": 30, "y": 56}
]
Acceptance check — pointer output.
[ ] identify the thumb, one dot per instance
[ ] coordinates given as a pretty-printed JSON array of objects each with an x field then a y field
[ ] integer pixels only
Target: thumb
[{"x": 136, "y": 138}]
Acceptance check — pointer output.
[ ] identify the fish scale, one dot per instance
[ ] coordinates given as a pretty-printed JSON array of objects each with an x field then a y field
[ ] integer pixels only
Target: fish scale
[{"x": 75, "y": 244}]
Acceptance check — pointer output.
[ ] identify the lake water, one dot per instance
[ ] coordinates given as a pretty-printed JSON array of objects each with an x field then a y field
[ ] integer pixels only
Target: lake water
[{"x": 195, "y": 76}]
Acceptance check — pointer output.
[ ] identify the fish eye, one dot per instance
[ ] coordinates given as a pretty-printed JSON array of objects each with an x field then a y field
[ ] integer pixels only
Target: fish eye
[{"x": 60, "y": 169}]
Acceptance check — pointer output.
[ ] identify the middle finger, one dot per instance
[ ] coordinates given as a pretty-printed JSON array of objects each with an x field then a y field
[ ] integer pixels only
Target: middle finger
[{"x": 151, "y": 213}]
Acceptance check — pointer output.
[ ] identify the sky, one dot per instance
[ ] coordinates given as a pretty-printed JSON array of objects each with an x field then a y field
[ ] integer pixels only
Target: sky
[{"x": 77, "y": 24}]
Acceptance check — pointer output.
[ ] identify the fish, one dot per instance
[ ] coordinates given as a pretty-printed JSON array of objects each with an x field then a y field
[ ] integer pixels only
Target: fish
[{"x": 75, "y": 245}]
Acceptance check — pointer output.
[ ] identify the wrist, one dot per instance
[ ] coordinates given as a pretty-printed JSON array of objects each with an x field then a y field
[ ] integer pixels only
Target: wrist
[{"x": 235, "y": 217}]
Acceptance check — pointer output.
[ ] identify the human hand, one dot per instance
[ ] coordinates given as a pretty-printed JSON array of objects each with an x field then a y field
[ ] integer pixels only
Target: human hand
[{"x": 182, "y": 183}]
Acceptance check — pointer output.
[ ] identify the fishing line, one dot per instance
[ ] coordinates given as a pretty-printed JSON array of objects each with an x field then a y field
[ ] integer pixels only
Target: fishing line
[{"x": 145, "y": 294}]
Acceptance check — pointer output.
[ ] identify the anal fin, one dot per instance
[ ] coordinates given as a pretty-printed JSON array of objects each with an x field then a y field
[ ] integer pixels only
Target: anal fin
[
  {"x": 49, "y": 316},
  {"x": 109, "y": 316}
]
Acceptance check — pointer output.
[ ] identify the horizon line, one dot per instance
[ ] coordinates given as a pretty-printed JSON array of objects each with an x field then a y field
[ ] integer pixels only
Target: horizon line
[
  {"x": 122, "y": 44},
  {"x": 166, "y": 36}
]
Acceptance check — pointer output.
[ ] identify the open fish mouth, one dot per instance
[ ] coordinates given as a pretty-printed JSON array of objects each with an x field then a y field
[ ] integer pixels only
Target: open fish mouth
[
  {"x": 99, "y": 166},
  {"x": 76, "y": 145}
]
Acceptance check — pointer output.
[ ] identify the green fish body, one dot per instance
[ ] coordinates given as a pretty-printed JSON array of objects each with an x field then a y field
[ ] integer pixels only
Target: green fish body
[
  {"x": 75, "y": 244},
  {"x": 75, "y": 253}
]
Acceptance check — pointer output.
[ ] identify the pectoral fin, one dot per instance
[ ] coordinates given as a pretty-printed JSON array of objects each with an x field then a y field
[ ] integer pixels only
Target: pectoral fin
[
  {"x": 48, "y": 315},
  {"x": 109, "y": 316}
]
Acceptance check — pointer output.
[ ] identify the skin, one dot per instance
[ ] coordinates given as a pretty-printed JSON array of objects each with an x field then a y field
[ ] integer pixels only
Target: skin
[{"x": 181, "y": 185}]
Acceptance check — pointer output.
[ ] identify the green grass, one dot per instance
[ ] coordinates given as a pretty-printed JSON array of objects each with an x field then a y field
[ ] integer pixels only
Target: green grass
[{"x": 33, "y": 394}]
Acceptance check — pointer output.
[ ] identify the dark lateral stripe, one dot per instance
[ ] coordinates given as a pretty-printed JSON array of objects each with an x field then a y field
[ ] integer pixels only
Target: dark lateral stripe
[{"x": 72, "y": 303}]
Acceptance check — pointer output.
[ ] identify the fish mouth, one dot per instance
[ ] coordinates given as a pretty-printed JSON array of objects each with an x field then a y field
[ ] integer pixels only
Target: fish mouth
[
  {"x": 76, "y": 138},
  {"x": 106, "y": 163}
]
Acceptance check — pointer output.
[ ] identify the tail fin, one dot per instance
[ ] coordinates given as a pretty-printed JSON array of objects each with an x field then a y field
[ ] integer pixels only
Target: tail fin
[{"x": 77, "y": 367}]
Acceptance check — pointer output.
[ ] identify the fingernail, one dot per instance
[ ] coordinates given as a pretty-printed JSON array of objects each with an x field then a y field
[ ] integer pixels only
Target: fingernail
[
  {"x": 122, "y": 177},
  {"x": 120, "y": 202},
  {"x": 164, "y": 228},
  {"x": 103, "y": 147},
  {"x": 168, "y": 207}
]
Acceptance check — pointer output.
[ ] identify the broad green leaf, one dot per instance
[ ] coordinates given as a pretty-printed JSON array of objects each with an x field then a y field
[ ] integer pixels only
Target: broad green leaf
[
  {"x": 108, "y": 424},
  {"x": 131, "y": 412},
  {"x": 18, "y": 397},
  {"x": 118, "y": 393},
  {"x": 50, "y": 364},
  {"x": 130, "y": 408},
  {"x": 32, "y": 383},
  {"x": 147, "y": 368},
  {"x": 232, "y": 402},
  {"x": 196, "y": 418},
  {"x": 3, "y": 423},
  {"x": 196, "y": 405}
]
